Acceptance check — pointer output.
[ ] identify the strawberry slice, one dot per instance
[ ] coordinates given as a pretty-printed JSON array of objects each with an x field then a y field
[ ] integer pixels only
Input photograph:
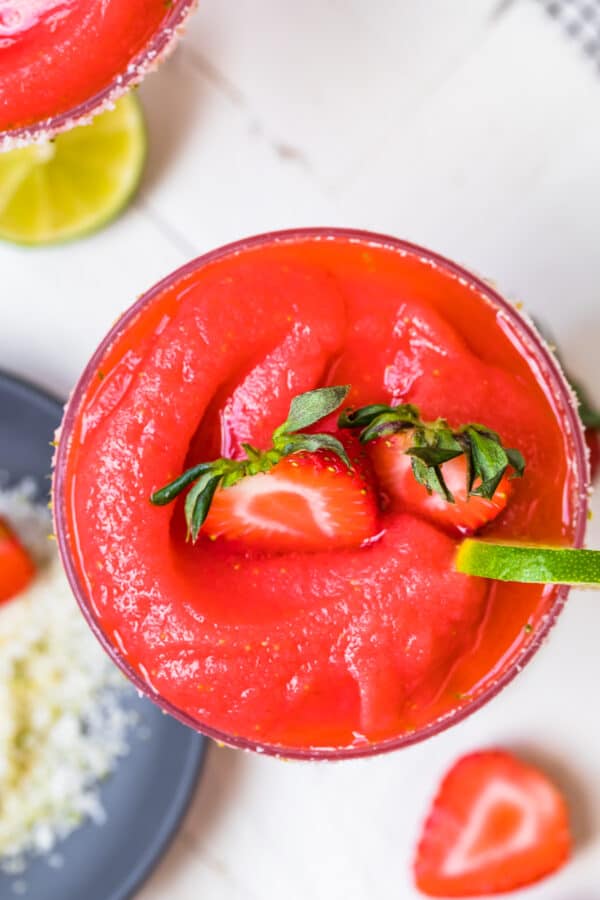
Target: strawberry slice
[
  {"x": 457, "y": 477},
  {"x": 308, "y": 501},
  {"x": 465, "y": 515},
  {"x": 303, "y": 493},
  {"x": 497, "y": 824},
  {"x": 16, "y": 568}
]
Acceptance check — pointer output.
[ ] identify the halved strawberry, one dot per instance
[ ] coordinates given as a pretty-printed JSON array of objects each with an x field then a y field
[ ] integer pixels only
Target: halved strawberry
[
  {"x": 308, "y": 491},
  {"x": 16, "y": 568},
  {"x": 308, "y": 501},
  {"x": 497, "y": 824},
  {"x": 393, "y": 467},
  {"x": 456, "y": 477}
]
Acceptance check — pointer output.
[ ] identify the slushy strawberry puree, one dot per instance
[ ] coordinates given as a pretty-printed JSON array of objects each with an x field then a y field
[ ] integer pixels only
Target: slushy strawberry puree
[
  {"x": 56, "y": 54},
  {"x": 330, "y": 647}
]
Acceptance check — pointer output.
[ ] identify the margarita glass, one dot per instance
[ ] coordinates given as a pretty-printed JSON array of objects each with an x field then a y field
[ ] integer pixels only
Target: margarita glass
[
  {"x": 331, "y": 654},
  {"x": 64, "y": 61}
]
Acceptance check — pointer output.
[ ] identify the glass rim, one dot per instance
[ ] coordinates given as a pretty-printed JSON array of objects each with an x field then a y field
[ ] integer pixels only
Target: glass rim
[
  {"x": 145, "y": 60},
  {"x": 552, "y": 375}
]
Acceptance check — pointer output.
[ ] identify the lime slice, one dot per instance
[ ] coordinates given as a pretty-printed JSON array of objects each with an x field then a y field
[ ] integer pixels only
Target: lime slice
[
  {"x": 526, "y": 563},
  {"x": 75, "y": 183}
]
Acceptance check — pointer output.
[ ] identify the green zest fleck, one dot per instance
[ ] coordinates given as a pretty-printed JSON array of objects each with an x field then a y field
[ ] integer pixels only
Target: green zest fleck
[
  {"x": 206, "y": 477},
  {"x": 529, "y": 564},
  {"x": 431, "y": 444}
]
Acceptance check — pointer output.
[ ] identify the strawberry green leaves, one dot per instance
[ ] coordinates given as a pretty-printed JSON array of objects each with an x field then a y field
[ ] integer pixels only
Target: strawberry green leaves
[
  {"x": 198, "y": 500},
  {"x": 305, "y": 410},
  {"x": 312, "y": 406},
  {"x": 378, "y": 420},
  {"x": 488, "y": 460},
  {"x": 431, "y": 444},
  {"x": 171, "y": 490}
]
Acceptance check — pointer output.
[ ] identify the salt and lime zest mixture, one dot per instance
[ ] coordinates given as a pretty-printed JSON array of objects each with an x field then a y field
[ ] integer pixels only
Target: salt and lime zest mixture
[{"x": 62, "y": 725}]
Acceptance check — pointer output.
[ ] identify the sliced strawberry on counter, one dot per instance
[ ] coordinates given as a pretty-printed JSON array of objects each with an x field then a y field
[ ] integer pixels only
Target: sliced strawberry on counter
[
  {"x": 16, "y": 568},
  {"x": 308, "y": 501},
  {"x": 457, "y": 477},
  {"x": 465, "y": 514},
  {"x": 497, "y": 824},
  {"x": 304, "y": 493}
]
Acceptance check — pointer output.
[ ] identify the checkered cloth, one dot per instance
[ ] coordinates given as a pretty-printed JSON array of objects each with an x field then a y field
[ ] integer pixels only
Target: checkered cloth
[{"x": 581, "y": 20}]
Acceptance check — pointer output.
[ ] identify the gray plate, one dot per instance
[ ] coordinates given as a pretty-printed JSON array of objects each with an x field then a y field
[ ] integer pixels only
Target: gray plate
[{"x": 147, "y": 795}]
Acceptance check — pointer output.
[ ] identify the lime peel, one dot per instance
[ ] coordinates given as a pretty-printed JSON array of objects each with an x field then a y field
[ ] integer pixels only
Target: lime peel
[{"x": 530, "y": 564}]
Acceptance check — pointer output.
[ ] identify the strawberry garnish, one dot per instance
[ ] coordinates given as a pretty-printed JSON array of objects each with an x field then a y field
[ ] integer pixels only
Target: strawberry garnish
[
  {"x": 455, "y": 477},
  {"x": 497, "y": 824},
  {"x": 465, "y": 513},
  {"x": 16, "y": 568},
  {"x": 308, "y": 501},
  {"x": 303, "y": 493}
]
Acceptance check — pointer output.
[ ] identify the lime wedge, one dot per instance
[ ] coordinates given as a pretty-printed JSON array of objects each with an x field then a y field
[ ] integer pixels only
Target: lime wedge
[
  {"x": 76, "y": 183},
  {"x": 530, "y": 564}
]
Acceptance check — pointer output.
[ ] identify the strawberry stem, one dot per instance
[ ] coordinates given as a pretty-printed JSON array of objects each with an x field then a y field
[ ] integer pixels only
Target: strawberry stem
[
  {"x": 171, "y": 490},
  {"x": 434, "y": 443},
  {"x": 206, "y": 477}
]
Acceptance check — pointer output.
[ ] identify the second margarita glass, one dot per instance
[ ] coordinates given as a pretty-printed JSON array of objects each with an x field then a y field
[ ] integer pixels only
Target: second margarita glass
[{"x": 62, "y": 62}]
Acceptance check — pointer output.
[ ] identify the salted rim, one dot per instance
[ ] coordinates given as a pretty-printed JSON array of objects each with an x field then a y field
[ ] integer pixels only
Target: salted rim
[
  {"x": 566, "y": 410},
  {"x": 144, "y": 62}
]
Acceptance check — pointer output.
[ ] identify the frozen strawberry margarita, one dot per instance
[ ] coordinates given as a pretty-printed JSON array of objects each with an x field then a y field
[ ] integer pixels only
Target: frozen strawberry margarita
[{"x": 265, "y": 471}]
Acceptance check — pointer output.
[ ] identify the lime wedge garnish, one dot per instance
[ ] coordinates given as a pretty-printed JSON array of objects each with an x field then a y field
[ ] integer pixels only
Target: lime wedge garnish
[
  {"x": 76, "y": 183},
  {"x": 526, "y": 563}
]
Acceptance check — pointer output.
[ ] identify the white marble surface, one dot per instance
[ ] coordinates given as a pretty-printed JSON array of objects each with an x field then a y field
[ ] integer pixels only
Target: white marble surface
[{"x": 471, "y": 127}]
